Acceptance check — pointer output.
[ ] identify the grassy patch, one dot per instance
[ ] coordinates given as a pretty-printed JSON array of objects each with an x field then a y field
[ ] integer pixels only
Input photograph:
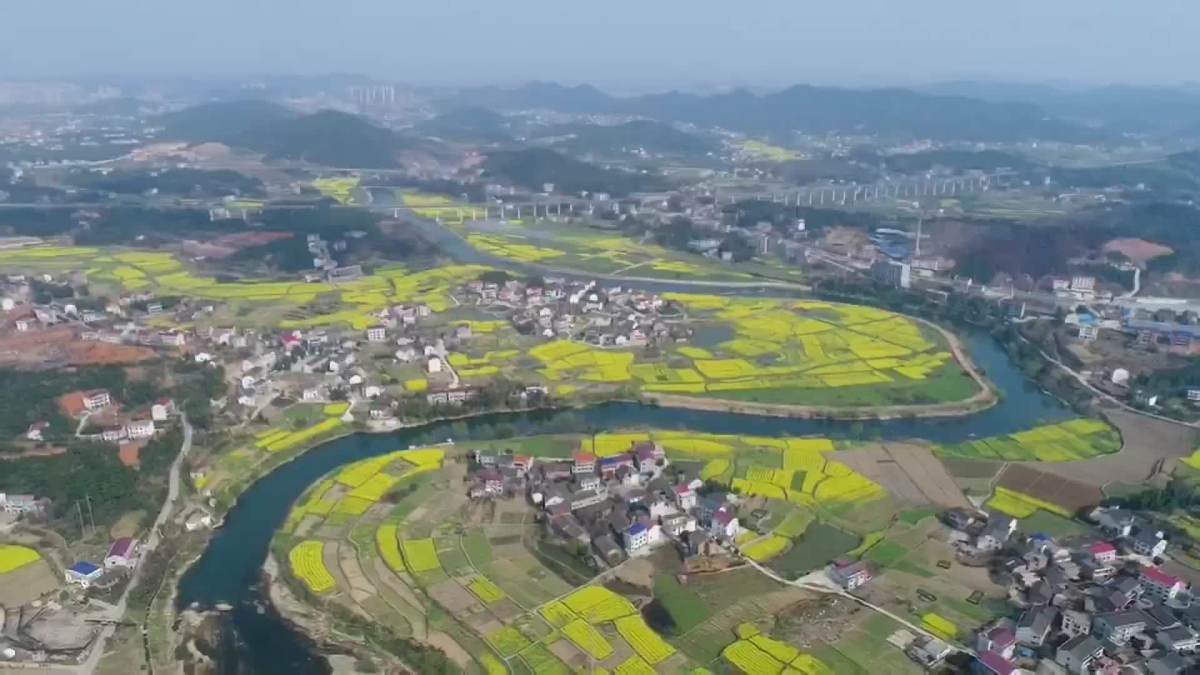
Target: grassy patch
[
  {"x": 686, "y": 608},
  {"x": 819, "y": 544}
]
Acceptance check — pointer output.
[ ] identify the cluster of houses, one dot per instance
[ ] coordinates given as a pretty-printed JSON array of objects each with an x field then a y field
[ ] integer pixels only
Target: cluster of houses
[
  {"x": 122, "y": 556},
  {"x": 617, "y": 506},
  {"x": 22, "y": 504},
  {"x": 604, "y": 317},
  {"x": 1101, "y": 606},
  {"x": 105, "y": 420},
  {"x": 1164, "y": 329}
]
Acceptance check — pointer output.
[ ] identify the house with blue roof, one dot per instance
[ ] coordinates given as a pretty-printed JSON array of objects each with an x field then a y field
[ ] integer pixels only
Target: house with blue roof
[
  {"x": 637, "y": 537},
  {"x": 84, "y": 573}
]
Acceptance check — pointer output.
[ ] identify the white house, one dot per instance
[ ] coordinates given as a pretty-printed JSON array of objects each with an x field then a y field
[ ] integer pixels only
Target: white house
[
  {"x": 637, "y": 537},
  {"x": 140, "y": 428},
  {"x": 376, "y": 334},
  {"x": 19, "y": 503},
  {"x": 162, "y": 409},
  {"x": 34, "y": 432},
  {"x": 96, "y": 399},
  {"x": 685, "y": 497},
  {"x": 724, "y": 523}
]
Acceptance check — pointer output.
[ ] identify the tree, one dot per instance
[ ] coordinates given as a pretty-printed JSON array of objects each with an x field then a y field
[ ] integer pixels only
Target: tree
[{"x": 737, "y": 247}]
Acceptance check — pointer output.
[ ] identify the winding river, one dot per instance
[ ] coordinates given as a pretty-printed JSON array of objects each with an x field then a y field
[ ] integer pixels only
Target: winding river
[{"x": 229, "y": 569}]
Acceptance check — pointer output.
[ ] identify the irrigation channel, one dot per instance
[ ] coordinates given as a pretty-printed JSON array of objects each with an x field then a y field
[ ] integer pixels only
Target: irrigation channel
[{"x": 229, "y": 571}]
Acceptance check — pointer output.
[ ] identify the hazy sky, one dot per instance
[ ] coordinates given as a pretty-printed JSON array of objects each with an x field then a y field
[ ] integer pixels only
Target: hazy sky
[{"x": 615, "y": 43}]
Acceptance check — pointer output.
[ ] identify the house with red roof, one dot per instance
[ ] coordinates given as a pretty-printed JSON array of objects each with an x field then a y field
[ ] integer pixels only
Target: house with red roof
[
  {"x": 1158, "y": 583},
  {"x": 1000, "y": 640},
  {"x": 685, "y": 497},
  {"x": 724, "y": 523},
  {"x": 991, "y": 662},
  {"x": 584, "y": 462},
  {"x": 122, "y": 553},
  {"x": 1103, "y": 551}
]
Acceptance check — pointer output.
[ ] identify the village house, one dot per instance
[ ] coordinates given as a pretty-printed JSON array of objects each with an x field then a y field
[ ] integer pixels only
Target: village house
[
  {"x": 21, "y": 504},
  {"x": 724, "y": 523},
  {"x": 83, "y": 574},
  {"x": 1159, "y": 584},
  {"x": 1078, "y": 653},
  {"x": 96, "y": 399},
  {"x": 849, "y": 574},
  {"x": 1119, "y": 627},
  {"x": 1149, "y": 543},
  {"x": 1103, "y": 551},
  {"x": 122, "y": 553}
]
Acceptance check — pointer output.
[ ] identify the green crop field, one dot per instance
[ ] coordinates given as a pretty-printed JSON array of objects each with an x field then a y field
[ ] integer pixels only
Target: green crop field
[{"x": 1063, "y": 442}]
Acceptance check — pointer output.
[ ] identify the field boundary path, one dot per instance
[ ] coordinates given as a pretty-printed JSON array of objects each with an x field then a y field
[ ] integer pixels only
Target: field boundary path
[{"x": 817, "y": 582}]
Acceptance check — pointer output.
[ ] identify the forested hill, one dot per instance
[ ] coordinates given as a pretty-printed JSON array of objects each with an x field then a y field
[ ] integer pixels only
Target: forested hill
[
  {"x": 648, "y": 135},
  {"x": 327, "y": 137},
  {"x": 534, "y": 167},
  {"x": 899, "y": 112}
]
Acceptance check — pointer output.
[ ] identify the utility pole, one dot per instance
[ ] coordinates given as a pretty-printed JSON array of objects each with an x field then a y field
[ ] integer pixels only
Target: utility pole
[{"x": 91, "y": 516}]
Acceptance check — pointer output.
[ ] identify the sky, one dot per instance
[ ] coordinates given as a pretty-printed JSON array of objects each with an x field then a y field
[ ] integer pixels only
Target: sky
[{"x": 619, "y": 44}]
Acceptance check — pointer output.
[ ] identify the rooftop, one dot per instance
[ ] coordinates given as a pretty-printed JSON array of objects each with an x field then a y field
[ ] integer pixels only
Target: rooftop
[{"x": 85, "y": 568}]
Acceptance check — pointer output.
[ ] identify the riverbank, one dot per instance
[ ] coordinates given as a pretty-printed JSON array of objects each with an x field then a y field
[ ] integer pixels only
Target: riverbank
[
  {"x": 229, "y": 572},
  {"x": 983, "y": 399},
  {"x": 978, "y": 403}
]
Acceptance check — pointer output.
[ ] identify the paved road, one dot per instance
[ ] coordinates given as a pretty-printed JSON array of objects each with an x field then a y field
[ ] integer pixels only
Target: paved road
[{"x": 152, "y": 540}]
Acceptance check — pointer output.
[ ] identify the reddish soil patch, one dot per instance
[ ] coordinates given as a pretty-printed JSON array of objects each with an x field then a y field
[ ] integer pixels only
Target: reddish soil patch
[
  {"x": 1069, "y": 494},
  {"x": 59, "y": 346},
  {"x": 226, "y": 245},
  {"x": 130, "y": 454},
  {"x": 82, "y": 353},
  {"x": 1137, "y": 250},
  {"x": 248, "y": 239}
]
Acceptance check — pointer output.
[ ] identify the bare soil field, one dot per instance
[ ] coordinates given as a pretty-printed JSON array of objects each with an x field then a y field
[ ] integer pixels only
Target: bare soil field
[
  {"x": 1137, "y": 250},
  {"x": 60, "y": 346},
  {"x": 452, "y": 596},
  {"x": 1054, "y": 488},
  {"x": 1149, "y": 447},
  {"x": 909, "y": 472},
  {"x": 26, "y": 584}
]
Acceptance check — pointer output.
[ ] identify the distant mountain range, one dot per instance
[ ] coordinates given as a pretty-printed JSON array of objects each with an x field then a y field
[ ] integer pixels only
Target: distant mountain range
[
  {"x": 326, "y": 137},
  {"x": 1123, "y": 108},
  {"x": 897, "y": 112}
]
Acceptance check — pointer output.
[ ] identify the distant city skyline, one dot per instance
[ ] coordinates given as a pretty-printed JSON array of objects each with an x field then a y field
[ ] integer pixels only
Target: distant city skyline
[{"x": 619, "y": 45}]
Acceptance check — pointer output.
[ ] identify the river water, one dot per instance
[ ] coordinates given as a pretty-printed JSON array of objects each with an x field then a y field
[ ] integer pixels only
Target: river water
[{"x": 229, "y": 570}]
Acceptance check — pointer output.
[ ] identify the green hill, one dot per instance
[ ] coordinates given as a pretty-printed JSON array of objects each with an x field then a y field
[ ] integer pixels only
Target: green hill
[
  {"x": 326, "y": 137},
  {"x": 533, "y": 167}
]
